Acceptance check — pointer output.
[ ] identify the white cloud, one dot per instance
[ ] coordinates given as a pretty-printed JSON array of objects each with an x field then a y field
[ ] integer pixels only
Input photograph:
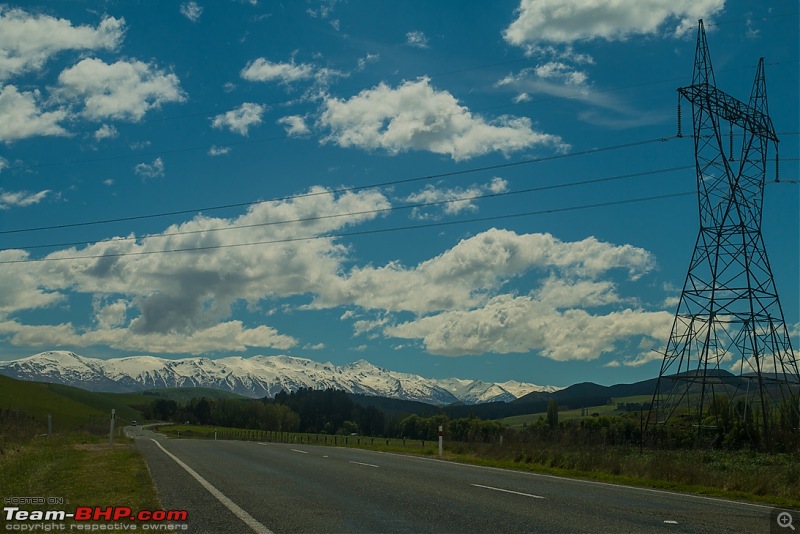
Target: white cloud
[
  {"x": 415, "y": 116},
  {"x": 21, "y": 117},
  {"x": 241, "y": 119},
  {"x": 110, "y": 315},
  {"x": 218, "y": 150},
  {"x": 28, "y": 41},
  {"x": 106, "y": 131},
  {"x": 263, "y": 70},
  {"x": 150, "y": 170},
  {"x": 417, "y": 39},
  {"x": 10, "y": 199},
  {"x": 191, "y": 10},
  {"x": 508, "y": 324},
  {"x": 123, "y": 90},
  {"x": 175, "y": 303},
  {"x": 453, "y": 200},
  {"x": 295, "y": 125},
  {"x": 24, "y": 286},
  {"x": 566, "y": 21},
  {"x": 466, "y": 275},
  {"x": 227, "y": 336},
  {"x": 366, "y": 60}
]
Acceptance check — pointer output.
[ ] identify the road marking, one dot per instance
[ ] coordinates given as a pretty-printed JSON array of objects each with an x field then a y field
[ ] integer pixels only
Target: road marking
[
  {"x": 508, "y": 491},
  {"x": 622, "y": 487},
  {"x": 669, "y": 522},
  {"x": 248, "y": 519},
  {"x": 298, "y": 450},
  {"x": 362, "y": 463}
]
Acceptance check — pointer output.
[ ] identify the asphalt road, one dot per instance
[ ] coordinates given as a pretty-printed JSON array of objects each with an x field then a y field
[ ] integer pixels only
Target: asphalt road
[{"x": 264, "y": 487}]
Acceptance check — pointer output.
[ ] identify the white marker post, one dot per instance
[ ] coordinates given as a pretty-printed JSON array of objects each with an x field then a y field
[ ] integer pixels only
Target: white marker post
[
  {"x": 441, "y": 435},
  {"x": 111, "y": 434}
]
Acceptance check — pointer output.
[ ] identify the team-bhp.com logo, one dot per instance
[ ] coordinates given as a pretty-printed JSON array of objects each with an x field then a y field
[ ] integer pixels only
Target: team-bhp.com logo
[{"x": 122, "y": 517}]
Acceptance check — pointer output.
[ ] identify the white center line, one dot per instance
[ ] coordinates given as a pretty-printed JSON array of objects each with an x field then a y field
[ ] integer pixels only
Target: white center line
[
  {"x": 249, "y": 520},
  {"x": 508, "y": 491},
  {"x": 362, "y": 463},
  {"x": 298, "y": 450}
]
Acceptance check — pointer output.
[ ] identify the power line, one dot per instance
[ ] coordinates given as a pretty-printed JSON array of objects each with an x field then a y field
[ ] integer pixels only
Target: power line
[
  {"x": 373, "y": 211},
  {"x": 358, "y": 232},
  {"x": 348, "y": 189}
]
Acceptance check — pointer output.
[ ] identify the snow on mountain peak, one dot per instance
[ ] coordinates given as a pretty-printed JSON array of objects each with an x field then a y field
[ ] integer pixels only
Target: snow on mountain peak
[{"x": 257, "y": 376}]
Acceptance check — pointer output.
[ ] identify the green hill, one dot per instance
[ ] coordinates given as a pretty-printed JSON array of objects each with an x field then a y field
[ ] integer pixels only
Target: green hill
[
  {"x": 73, "y": 408},
  {"x": 70, "y": 408}
]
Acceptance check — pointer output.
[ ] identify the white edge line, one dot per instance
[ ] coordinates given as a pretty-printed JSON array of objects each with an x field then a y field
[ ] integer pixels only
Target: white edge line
[
  {"x": 508, "y": 491},
  {"x": 249, "y": 520},
  {"x": 362, "y": 463},
  {"x": 584, "y": 481}
]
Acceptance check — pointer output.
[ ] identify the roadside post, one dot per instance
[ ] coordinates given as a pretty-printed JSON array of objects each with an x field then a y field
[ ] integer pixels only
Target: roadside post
[
  {"x": 111, "y": 433},
  {"x": 441, "y": 436}
]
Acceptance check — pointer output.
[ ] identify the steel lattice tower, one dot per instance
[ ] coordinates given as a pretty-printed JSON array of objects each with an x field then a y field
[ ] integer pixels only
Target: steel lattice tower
[{"x": 729, "y": 317}]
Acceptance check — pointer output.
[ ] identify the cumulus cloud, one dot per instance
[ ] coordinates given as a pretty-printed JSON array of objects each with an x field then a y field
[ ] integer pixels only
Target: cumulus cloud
[
  {"x": 191, "y": 10},
  {"x": 295, "y": 125},
  {"x": 150, "y": 170},
  {"x": 417, "y": 39},
  {"x": 227, "y": 336},
  {"x": 28, "y": 41},
  {"x": 21, "y": 116},
  {"x": 565, "y": 21},
  {"x": 415, "y": 116},
  {"x": 106, "y": 131},
  {"x": 24, "y": 287},
  {"x": 263, "y": 70},
  {"x": 124, "y": 90},
  {"x": 241, "y": 119},
  {"x": 508, "y": 324},
  {"x": 145, "y": 300},
  {"x": 466, "y": 275},
  {"x": 453, "y": 200}
]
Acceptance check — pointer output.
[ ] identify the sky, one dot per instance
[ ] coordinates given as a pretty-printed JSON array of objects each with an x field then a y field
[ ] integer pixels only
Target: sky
[{"x": 485, "y": 190}]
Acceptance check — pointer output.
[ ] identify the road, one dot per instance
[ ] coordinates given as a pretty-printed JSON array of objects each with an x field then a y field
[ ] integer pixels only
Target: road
[{"x": 232, "y": 486}]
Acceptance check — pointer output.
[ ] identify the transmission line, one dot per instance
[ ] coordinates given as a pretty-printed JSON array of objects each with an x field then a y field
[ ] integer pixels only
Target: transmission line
[
  {"x": 389, "y": 183},
  {"x": 358, "y": 232},
  {"x": 373, "y": 211}
]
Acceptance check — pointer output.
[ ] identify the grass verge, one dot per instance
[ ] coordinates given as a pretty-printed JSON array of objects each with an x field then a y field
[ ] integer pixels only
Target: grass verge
[
  {"x": 769, "y": 478},
  {"x": 81, "y": 469}
]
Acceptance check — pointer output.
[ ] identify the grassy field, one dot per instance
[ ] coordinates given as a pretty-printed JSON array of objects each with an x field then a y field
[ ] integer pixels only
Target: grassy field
[{"x": 518, "y": 421}]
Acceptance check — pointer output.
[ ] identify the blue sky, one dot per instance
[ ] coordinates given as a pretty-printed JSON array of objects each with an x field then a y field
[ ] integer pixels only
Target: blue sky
[{"x": 471, "y": 189}]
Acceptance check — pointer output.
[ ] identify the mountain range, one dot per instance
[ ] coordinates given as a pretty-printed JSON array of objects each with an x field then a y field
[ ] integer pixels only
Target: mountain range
[{"x": 258, "y": 376}]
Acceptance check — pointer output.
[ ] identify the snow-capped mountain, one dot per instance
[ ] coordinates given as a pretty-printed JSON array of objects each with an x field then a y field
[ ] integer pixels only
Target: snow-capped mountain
[{"x": 258, "y": 376}]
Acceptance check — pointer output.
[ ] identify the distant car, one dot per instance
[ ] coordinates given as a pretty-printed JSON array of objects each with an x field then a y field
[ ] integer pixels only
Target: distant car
[{"x": 134, "y": 423}]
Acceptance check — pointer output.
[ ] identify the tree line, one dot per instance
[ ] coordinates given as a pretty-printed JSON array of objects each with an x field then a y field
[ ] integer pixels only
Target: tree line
[{"x": 329, "y": 411}]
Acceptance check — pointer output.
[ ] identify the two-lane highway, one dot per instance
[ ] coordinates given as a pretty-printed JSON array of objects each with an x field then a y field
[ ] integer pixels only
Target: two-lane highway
[{"x": 303, "y": 488}]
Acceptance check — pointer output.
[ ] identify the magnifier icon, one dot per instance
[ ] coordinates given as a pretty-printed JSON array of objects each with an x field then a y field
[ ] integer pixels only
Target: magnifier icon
[{"x": 785, "y": 520}]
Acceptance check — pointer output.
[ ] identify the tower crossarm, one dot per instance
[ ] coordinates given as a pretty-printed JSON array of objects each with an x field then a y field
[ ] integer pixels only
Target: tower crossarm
[{"x": 731, "y": 109}]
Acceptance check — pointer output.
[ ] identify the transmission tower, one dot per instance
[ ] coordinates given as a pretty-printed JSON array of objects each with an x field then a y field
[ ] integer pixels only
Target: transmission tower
[{"x": 729, "y": 336}]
